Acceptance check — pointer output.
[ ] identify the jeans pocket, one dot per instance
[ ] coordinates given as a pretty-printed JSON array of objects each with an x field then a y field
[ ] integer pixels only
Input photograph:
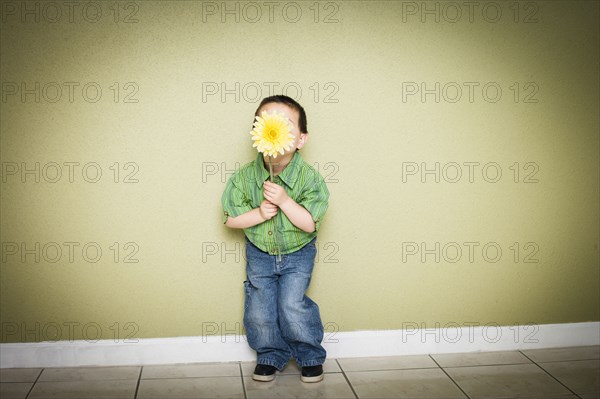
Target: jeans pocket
[{"x": 311, "y": 248}]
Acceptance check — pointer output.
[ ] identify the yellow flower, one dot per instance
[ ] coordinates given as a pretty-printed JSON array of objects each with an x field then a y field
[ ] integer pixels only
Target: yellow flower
[{"x": 272, "y": 133}]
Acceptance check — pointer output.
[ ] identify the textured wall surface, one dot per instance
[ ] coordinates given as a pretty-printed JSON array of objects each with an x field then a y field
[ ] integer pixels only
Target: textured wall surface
[{"x": 459, "y": 141}]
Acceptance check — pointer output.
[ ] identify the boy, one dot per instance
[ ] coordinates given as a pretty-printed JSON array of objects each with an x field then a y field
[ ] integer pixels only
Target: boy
[{"x": 280, "y": 320}]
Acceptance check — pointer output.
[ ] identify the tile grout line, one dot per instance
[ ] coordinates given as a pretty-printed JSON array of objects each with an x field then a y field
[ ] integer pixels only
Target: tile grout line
[
  {"x": 570, "y": 360},
  {"x": 243, "y": 384},
  {"x": 487, "y": 364},
  {"x": 544, "y": 370},
  {"x": 445, "y": 372},
  {"x": 346, "y": 378},
  {"x": 137, "y": 387},
  {"x": 34, "y": 382}
]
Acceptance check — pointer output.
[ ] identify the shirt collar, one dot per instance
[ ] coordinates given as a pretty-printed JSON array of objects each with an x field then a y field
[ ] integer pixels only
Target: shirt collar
[{"x": 289, "y": 175}]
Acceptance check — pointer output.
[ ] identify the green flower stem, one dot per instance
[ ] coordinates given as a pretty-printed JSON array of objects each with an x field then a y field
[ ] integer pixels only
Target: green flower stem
[{"x": 276, "y": 227}]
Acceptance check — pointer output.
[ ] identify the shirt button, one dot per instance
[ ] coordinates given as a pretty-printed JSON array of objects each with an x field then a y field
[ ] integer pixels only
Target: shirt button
[{"x": 270, "y": 232}]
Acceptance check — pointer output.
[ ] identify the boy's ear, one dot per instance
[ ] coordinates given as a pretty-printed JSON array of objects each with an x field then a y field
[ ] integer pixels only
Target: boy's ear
[{"x": 303, "y": 140}]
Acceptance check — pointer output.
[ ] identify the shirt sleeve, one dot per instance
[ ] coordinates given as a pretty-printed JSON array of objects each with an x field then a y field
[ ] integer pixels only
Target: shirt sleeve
[
  {"x": 234, "y": 201},
  {"x": 315, "y": 199}
]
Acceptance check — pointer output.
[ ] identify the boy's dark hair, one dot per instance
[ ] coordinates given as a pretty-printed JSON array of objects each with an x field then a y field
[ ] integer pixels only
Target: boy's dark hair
[{"x": 290, "y": 102}]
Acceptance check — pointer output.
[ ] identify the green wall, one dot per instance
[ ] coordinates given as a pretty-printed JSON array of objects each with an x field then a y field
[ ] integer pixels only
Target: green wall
[{"x": 517, "y": 94}]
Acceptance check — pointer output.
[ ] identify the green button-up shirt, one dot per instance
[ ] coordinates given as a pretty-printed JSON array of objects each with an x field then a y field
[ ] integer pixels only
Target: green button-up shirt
[{"x": 302, "y": 182}]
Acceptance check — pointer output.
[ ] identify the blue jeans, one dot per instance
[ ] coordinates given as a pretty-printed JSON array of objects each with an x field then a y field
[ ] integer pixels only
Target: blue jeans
[{"x": 280, "y": 320}]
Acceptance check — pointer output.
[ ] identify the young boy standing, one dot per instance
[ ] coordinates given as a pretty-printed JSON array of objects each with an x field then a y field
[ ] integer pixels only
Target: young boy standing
[{"x": 280, "y": 320}]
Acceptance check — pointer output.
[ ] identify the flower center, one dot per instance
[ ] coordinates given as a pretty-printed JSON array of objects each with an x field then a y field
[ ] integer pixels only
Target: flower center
[{"x": 272, "y": 134}]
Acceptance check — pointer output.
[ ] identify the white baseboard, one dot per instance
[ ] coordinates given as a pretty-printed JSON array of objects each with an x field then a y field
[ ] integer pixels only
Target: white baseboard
[{"x": 225, "y": 348}]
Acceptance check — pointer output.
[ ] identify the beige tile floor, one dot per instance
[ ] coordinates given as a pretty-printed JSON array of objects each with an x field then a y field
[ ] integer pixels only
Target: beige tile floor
[{"x": 572, "y": 372}]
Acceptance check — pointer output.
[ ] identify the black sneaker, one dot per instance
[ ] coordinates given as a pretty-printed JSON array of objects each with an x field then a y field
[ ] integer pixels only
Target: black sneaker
[
  {"x": 312, "y": 373},
  {"x": 264, "y": 372}
]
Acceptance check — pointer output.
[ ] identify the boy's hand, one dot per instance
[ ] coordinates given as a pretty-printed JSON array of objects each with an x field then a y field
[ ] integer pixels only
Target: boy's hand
[
  {"x": 275, "y": 193},
  {"x": 267, "y": 209}
]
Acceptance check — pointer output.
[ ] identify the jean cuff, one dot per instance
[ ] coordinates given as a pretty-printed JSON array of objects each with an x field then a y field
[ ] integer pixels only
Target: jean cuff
[
  {"x": 271, "y": 362},
  {"x": 306, "y": 363}
]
